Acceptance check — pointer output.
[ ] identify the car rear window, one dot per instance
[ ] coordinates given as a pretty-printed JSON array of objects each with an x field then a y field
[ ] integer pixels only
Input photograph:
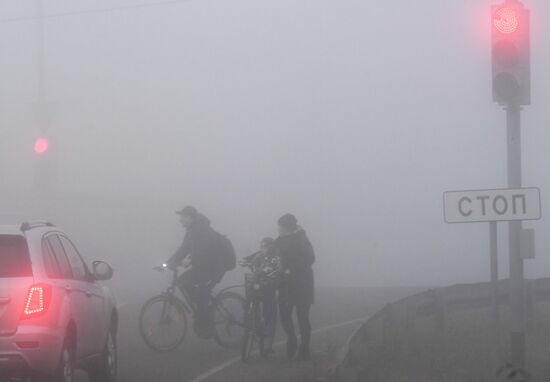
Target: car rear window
[{"x": 14, "y": 257}]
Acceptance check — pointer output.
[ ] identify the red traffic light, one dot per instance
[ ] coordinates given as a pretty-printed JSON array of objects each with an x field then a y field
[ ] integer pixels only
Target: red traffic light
[
  {"x": 505, "y": 20},
  {"x": 41, "y": 145},
  {"x": 510, "y": 50}
]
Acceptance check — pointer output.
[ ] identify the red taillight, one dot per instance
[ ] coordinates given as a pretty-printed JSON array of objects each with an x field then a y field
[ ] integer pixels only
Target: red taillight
[{"x": 38, "y": 300}]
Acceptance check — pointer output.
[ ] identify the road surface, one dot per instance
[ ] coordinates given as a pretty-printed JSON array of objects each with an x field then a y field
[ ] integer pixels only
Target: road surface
[{"x": 195, "y": 358}]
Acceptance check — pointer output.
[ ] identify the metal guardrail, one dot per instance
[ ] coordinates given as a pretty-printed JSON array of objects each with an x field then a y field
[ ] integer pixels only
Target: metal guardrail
[{"x": 424, "y": 317}]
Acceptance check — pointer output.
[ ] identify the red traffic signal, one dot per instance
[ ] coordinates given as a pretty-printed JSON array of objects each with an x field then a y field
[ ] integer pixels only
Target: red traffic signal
[
  {"x": 510, "y": 39},
  {"x": 505, "y": 20},
  {"x": 45, "y": 162},
  {"x": 41, "y": 145}
]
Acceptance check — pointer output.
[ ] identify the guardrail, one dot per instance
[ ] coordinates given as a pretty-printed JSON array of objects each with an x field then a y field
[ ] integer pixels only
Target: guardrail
[{"x": 427, "y": 319}]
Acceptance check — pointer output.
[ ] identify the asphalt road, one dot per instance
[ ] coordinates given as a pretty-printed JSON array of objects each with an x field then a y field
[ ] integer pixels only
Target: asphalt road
[{"x": 138, "y": 363}]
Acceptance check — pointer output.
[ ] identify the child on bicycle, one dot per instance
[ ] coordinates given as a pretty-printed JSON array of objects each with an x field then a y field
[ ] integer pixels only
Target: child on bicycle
[{"x": 267, "y": 265}]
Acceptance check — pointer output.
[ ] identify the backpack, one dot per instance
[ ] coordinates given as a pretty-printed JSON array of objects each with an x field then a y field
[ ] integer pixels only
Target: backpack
[{"x": 228, "y": 258}]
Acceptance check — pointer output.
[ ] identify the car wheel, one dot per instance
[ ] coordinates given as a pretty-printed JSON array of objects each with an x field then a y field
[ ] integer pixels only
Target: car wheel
[
  {"x": 66, "y": 367},
  {"x": 106, "y": 370}
]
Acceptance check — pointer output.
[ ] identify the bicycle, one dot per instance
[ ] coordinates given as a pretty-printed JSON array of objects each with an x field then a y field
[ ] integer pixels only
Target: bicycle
[
  {"x": 163, "y": 318},
  {"x": 255, "y": 325}
]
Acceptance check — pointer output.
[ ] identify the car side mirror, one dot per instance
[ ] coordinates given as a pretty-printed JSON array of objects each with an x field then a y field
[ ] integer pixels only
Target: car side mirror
[{"x": 102, "y": 270}]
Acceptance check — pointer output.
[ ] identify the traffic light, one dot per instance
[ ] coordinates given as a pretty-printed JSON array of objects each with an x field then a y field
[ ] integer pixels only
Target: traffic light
[
  {"x": 41, "y": 145},
  {"x": 45, "y": 163},
  {"x": 510, "y": 38}
]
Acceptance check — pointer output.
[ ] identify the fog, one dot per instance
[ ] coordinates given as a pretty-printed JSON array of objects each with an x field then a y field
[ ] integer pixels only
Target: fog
[{"x": 355, "y": 116}]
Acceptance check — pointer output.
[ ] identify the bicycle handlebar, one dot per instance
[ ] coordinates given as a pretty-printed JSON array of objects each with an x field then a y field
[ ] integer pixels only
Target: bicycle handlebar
[
  {"x": 160, "y": 268},
  {"x": 164, "y": 267},
  {"x": 247, "y": 264}
]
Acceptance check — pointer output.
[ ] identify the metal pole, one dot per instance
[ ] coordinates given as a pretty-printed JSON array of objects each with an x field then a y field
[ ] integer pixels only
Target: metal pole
[
  {"x": 495, "y": 316},
  {"x": 517, "y": 301},
  {"x": 44, "y": 166},
  {"x": 42, "y": 115}
]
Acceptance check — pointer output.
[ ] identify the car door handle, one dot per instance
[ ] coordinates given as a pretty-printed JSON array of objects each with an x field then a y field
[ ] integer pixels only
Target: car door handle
[
  {"x": 89, "y": 293},
  {"x": 4, "y": 300},
  {"x": 68, "y": 289}
]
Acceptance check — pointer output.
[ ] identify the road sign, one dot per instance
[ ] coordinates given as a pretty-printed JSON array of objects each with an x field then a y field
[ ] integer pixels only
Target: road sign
[{"x": 492, "y": 205}]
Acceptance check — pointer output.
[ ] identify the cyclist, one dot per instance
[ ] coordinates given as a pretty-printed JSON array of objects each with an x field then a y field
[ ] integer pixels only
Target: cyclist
[
  {"x": 199, "y": 253},
  {"x": 267, "y": 264}
]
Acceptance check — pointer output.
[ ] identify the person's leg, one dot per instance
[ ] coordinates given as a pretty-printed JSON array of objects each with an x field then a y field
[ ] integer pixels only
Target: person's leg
[
  {"x": 204, "y": 289},
  {"x": 187, "y": 282},
  {"x": 302, "y": 311},
  {"x": 195, "y": 283},
  {"x": 205, "y": 311},
  {"x": 285, "y": 311},
  {"x": 269, "y": 310}
]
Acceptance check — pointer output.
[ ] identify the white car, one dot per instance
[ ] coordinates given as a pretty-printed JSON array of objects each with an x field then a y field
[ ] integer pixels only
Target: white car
[{"x": 54, "y": 314}]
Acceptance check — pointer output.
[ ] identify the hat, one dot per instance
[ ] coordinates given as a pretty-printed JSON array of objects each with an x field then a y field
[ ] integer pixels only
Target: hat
[
  {"x": 288, "y": 221},
  {"x": 188, "y": 211}
]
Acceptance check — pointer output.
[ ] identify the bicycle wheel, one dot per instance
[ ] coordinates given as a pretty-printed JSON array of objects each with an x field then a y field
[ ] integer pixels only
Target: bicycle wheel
[
  {"x": 250, "y": 331},
  {"x": 163, "y": 323},
  {"x": 229, "y": 312}
]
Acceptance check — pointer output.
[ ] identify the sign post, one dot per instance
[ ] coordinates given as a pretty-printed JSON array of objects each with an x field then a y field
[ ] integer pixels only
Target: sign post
[
  {"x": 511, "y": 83},
  {"x": 511, "y": 72},
  {"x": 513, "y": 205},
  {"x": 495, "y": 311},
  {"x": 517, "y": 290}
]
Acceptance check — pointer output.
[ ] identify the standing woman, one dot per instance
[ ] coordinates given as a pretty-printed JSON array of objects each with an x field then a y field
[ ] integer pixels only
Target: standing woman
[{"x": 296, "y": 289}]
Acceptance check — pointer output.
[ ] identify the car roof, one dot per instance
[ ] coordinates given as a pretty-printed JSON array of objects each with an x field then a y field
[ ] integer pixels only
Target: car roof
[
  {"x": 10, "y": 229},
  {"x": 26, "y": 228}
]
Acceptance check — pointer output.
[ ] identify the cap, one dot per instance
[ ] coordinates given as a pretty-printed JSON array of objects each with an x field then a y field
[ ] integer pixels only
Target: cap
[
  {"x": 288, "y": 221},
  {"x": 188, "y": 211}
]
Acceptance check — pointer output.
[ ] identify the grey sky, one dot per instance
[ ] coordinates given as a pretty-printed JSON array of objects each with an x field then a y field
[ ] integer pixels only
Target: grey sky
[{"x": 354, "y": 115}]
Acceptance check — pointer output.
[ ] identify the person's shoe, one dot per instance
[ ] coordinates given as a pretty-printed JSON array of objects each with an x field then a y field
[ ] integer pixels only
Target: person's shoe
[
  {"x": 263, "y": 354},
  {"x": 291, "y": 348},
  {"x": 266, "y": 346},
  {"x": 303, "y": 354},
  {"x": 266, "y": 352}
]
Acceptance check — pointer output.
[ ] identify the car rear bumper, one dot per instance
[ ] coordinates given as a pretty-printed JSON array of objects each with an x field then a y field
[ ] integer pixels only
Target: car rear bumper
[
  {"x": 13, "y": 364},
  {"x": 32, "y": 350}
]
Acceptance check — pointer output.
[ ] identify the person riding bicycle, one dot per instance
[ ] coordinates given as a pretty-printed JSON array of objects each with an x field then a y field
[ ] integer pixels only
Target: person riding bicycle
[
  {"x": 201, "y": 251},
  {"x": 267, "y": 265}
]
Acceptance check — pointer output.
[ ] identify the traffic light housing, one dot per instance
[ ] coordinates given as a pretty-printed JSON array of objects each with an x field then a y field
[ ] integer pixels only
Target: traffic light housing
[
  {"x": 45, "y": 163},
  {"x": 510, "y": 44}
]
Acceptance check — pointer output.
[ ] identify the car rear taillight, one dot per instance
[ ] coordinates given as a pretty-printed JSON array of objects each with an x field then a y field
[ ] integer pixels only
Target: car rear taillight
[{"x": 38, "y": 300}]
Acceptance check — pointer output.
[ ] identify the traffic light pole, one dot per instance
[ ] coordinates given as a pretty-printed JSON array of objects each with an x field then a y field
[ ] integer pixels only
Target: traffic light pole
[
  {"x": 517, "y": 301},
  {"x": 41, "y": 112},
  {"x": 495, "y": 310},
  {"x": 44, "y": 162}
]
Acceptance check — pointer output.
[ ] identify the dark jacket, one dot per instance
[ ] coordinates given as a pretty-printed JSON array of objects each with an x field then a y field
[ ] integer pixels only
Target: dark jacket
[
  {"x": 202, "y": 245},
  {"x": 297, "y": 256}
]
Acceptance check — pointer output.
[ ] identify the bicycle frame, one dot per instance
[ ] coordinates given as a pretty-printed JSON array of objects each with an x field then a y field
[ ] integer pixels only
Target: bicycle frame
[
  {"x": 231, "y": 287},
  {"x": 186, "y": 300}
]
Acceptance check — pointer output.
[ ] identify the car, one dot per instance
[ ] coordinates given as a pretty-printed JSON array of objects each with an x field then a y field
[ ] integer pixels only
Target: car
[{"x": 55, "y": 315}]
